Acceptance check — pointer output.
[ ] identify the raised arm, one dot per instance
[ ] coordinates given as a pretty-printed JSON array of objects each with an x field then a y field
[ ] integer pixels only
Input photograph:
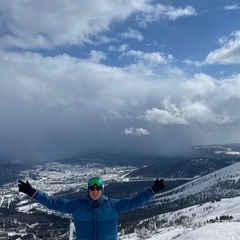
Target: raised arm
[
  {"x": 128, "y": 204},
  {"x": 57, "y": 204}
]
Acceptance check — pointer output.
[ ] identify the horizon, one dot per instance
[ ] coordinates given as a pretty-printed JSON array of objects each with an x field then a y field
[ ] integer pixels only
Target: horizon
[{"x": 186, "y": 153}]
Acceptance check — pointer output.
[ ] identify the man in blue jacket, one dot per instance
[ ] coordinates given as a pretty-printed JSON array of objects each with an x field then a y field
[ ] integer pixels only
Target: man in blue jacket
[{"x": 95, "y": 216}]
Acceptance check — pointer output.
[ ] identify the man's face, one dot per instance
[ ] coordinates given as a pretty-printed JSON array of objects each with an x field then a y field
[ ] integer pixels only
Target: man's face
[{"x": 95, "y": 192}]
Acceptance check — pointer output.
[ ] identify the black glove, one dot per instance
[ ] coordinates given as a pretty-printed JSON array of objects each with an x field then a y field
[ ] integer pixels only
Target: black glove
[
  {"x": 26, "y": 188},
  {"x": 158, "y": 185}
]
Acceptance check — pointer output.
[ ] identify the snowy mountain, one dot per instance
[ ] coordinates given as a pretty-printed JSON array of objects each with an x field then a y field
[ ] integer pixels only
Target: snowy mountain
[
  {"x": 68, "y": 178},
  {"x": 224, "y": 183},
  {"x": 212, "y": 220}
]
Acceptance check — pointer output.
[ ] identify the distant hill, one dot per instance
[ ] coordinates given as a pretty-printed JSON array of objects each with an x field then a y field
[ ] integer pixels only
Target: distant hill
[
  {"x": 184, "y": 169},
  {"x": 121, "y": 159}
]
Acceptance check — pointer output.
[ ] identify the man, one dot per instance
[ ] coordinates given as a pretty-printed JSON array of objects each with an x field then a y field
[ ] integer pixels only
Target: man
[{"x": 96, "y": 216}]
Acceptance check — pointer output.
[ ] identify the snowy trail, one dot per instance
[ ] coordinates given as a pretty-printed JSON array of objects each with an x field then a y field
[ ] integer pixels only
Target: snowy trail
[
  {"x": 214, "y": 231},
  {"x": 220, "y": 231}
]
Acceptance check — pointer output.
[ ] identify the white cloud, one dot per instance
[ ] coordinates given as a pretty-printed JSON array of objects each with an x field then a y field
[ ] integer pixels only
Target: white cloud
[
  {"x": 186, "y": 112},
  {"x": 133, "y": 34},
  {"x": 97, "y": 56},
  {"x": 136, "y": 131},
  {"x": 115, "y": 92},
  {"x": 194, "y": 63},
  {"x": 149, "y": 58},
  {"x": 72, "y": 22},
  {"x": 159, "y": 11},
  {"x": 164, "y": 117},
  {"x": 175, "y": 13},
  {"x": 229, "y": 88},
  {"x": 121, "y": 48},
  {"x": 171, "y": 114},
  {"x": 201, "y": 85},
  {"x": 197, "y": 112},
  {"x": 68, "y": 21},
  {"x": 229, "y": 53},
  {"x": 232, "y": 7}
]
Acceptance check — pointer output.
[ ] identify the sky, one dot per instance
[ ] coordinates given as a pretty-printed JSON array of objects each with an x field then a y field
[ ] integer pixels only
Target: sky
[{"x": 138, "y": 76}]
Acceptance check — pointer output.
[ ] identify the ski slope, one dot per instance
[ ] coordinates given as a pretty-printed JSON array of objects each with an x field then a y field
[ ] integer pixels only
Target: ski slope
[
  {"x": 216, "y": 231},
  {"x": 200, "y": 228}
]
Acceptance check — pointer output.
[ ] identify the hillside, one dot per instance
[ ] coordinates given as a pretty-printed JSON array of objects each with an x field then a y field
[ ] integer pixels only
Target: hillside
[
  {"x": 211, "y": 221},
  {"x": 182, "y": 169},
  {"x": 223, "y": 183}
]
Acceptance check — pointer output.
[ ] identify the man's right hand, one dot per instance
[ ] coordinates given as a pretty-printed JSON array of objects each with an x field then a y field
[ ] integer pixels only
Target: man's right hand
[{"x": 26, "y": 188}]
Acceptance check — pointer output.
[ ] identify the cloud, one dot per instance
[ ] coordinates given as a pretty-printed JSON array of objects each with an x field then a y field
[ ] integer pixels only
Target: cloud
[
  {"x": 136, "y": 131},
  {"x": 122, "y": 48},
  {"x": 227, "y": 54},
  {"x": 175, "y": 13},
  {"x": 65, "y": 103},
  {"x": 197, "y": 112},
  {"x": 169, "y": 115},
  {"x": 187, "y": 113},
  {"x": 75, "y": 22},
  {"x": 54, "y": 102},
  {"x": 153, "y": 58},
  {"x": 164, "y": 12},
  {"x": 229, "y": 88},
  {"x": 70, "y": 22},
  {"x": 164, "y": 117},
  {"x": 200, "y": 85},
  {"x": 232, "y": 7},
  {"x": 133, "y": 34},
  {"x": 97, "y": 56}
]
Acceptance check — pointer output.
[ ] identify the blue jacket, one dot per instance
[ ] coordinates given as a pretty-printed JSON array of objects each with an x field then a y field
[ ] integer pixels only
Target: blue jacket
[{"x": 95, "y": 220}]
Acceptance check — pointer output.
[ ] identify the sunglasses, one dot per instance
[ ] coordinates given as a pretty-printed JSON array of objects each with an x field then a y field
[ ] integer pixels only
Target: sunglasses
[
  {"x": 92, "y": 188},
  {"x": 95, "y": 181}
]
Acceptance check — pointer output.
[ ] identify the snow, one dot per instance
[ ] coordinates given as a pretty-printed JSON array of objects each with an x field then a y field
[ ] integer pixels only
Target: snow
[
  {"x": 199, "y": 229},
  {"x": 220, "y": 231},
  {"x": 216, "y": 231},
  {"x": 201, "y": 184},
  {"x": 1, "y": 202},
  {"x": 71, "y": 230}
]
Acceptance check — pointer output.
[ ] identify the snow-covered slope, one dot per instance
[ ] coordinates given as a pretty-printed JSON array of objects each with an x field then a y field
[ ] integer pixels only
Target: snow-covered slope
[
  {"x": 220, "y": 231},
  {"x": 198, "y": 222},
  {"x": 218, "y": 218},
  {"x": 219, "y": 184}
]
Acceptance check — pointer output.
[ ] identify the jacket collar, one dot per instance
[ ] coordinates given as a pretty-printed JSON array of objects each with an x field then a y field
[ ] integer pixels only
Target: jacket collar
[{"x": 98, "y": 202}]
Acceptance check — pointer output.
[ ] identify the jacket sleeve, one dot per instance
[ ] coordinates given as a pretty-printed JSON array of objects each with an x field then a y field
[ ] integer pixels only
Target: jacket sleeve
[
  {"x": 58, "y": 204},
  {"x": 128, "y": 204}
]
